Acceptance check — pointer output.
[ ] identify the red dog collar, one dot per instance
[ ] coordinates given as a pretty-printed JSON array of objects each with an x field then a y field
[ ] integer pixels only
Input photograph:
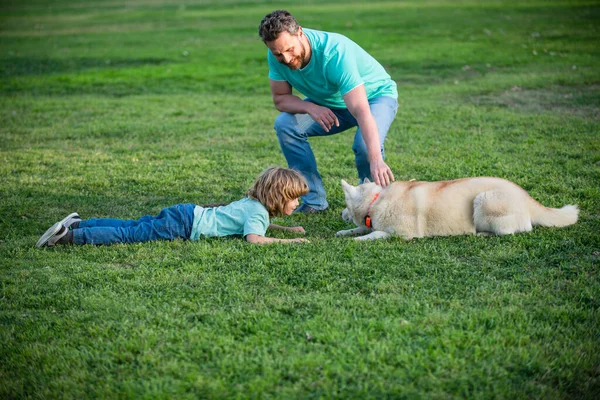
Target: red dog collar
[{"x": 368, "y": 216}]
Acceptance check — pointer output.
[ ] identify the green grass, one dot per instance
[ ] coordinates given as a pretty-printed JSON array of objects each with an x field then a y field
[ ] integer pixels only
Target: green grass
[{"x": 119, "y": 108}]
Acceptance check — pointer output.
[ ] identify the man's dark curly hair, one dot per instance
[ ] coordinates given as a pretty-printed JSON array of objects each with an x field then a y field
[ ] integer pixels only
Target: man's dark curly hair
[{"x": 275, "y": 23}]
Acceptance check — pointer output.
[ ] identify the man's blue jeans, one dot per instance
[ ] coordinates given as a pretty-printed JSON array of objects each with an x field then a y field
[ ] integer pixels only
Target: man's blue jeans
[
  {"x": 293, "y": 131},
  {"x": 171, "y": 223}
]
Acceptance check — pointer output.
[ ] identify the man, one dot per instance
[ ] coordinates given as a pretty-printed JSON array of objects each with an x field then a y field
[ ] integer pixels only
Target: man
[{"x": 345, "y": 87}]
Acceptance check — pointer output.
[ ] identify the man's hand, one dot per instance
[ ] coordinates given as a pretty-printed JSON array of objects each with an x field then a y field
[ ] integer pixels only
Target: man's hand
[
  {"x": 285, "y": 101},
  {"x": 381, "y": 173},
  {"x": 323, "y": 116}
]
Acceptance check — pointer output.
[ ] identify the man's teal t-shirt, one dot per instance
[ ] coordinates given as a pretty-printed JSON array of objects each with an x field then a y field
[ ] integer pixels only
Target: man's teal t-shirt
[
  {"x": 241, "y": 217},
  {"x": 337, "y": 65}
]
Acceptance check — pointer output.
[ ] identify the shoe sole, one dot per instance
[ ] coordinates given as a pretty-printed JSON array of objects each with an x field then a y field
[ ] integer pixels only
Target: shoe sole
[{"x": 53, "y": 230}]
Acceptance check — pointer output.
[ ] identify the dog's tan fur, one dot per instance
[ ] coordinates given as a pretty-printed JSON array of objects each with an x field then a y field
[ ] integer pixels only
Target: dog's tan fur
[{"x": 463, "y": 206}]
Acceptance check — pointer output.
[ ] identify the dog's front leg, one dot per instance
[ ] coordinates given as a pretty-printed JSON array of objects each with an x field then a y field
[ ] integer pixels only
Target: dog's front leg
[
  {"x": 356, "y": 231},
  {"x": 374, "y": 235}
]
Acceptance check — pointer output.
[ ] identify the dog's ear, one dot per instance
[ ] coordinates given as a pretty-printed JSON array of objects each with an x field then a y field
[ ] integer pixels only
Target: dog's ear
[
  {"x": 366, "y": 180},
  {"x": 348, "y": 189}
]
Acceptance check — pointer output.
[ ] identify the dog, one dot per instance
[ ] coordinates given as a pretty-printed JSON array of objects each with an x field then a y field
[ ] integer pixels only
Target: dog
[{"x": 414, "y": 209}]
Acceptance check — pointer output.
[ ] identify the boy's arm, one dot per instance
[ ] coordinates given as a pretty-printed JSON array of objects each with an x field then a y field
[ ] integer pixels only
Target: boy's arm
[
  {"x": 297, "y": 229},
  {"x": 258, "y": 239}
]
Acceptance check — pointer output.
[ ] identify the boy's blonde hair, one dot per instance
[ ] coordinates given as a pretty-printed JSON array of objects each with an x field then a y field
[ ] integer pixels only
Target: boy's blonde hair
[{"x": 275, "y": 186}]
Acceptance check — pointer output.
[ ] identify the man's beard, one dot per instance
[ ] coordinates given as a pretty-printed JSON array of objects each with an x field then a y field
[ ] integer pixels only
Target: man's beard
[{"x": 298, "y": 62}]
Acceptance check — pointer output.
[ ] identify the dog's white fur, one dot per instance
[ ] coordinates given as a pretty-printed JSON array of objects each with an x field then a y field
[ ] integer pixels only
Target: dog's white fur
[{"x": 487, "y": 206}]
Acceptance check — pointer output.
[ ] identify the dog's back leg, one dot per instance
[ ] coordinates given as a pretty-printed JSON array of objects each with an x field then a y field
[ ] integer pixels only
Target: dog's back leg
[{"x": 500, "y": 212}]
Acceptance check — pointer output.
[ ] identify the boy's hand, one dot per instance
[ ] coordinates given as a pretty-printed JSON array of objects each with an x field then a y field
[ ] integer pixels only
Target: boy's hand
[
  {"x": 297, "y": 229},
  {"x": 300, "y": 240}
]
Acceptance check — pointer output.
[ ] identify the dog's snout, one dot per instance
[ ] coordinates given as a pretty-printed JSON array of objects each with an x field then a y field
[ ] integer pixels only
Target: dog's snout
[{"x": 346, "y": 215}]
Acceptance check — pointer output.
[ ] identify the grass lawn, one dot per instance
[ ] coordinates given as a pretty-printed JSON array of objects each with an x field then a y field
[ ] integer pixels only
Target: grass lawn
[{"x": 117, "y": 108}]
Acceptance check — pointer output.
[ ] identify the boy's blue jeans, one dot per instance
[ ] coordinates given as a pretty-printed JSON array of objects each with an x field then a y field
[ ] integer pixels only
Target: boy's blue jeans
[
  {"x": 293, "y": 131},
  {"x": 171, "y": 223}
]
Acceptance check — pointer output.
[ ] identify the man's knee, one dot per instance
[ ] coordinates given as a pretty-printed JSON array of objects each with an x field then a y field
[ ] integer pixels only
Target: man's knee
[
  {"x": 284, "y": 123},
  {"x": 293, "y": 126}
]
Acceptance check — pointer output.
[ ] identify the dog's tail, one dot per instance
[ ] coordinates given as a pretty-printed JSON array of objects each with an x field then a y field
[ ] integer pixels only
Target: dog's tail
[{"x": 546, "y": 216}]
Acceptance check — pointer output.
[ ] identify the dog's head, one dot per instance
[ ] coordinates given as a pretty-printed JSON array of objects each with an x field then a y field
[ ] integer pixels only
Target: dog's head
[{"x": 358, "y": 198}]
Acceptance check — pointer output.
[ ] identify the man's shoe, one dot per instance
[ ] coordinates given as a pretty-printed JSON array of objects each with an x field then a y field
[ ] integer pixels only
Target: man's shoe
[
  {"x": 52, "y": 235},
  {"x": 306, "y": 209}
]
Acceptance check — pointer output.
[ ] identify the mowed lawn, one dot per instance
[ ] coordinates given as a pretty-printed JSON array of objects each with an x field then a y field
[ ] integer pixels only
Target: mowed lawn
[{"x": 118, "y": 108}]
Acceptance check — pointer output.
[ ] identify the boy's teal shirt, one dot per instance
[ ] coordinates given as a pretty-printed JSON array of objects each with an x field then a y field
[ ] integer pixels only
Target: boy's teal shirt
[
  {"x": 241, "y": 217},
  {"x": 337, "y": 65}
]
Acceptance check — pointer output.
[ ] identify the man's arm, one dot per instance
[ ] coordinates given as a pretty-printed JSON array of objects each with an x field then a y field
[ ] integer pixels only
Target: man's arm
[
  {"x": 285, "y": 101},
  {"x": 358, "y": 105}
]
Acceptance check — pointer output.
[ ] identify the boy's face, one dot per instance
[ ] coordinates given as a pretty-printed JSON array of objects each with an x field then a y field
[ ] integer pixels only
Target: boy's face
[{"x": 290, "y": 206}]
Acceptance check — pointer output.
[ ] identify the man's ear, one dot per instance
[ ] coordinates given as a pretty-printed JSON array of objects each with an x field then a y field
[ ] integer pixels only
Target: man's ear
[
  {"x": 366, "y": 180},
  {"x": 348, "y": 189}
]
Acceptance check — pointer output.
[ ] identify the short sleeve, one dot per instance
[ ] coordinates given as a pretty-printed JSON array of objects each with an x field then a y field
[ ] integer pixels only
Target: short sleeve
[
  {"x": 274, "y": 68},
  {"x": 256, "y": 224},
  {"x": 343, "y": 71}
]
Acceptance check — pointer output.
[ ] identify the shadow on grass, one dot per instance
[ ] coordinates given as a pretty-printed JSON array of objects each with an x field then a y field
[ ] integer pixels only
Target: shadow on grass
[
  {"x": 116, "y": 87},
  {"x": 26, "y": 66},
  {"x": 122, "y": 77},
  {"x": 583, "y": 101}
]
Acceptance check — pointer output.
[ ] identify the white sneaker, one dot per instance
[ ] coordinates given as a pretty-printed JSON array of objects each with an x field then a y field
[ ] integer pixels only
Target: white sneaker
[
  {"x": 70, "y": 219},
  {"x": 57, "y": 231}
]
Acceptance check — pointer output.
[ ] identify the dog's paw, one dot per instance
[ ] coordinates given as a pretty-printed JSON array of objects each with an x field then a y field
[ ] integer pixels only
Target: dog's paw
[
  {"x": 374, "y": 236},
  {"x": 346, "y": 232},
  {"x": 365, "y": 237}
]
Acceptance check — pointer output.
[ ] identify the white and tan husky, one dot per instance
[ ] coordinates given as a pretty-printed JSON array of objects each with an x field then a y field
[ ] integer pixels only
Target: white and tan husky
[{"x": 410, "y": 209}]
